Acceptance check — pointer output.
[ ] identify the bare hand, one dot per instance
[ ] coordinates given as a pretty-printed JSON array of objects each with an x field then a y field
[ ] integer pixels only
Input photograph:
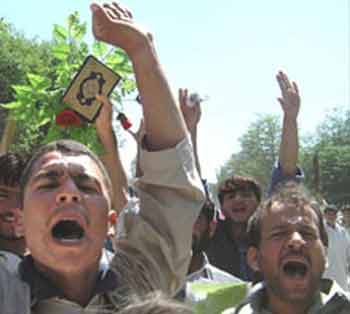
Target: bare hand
[
  {"x": 290, "y": 100},
  {"x": 104, "y": 120},
  {"x": 192, "y": 115},
  {"x": 113, "y": 23}
]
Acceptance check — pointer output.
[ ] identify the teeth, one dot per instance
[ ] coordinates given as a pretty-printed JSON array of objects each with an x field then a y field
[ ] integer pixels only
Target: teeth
[
  {"x": 8, "y": 218},
  {"x": 65, "y": 240}
]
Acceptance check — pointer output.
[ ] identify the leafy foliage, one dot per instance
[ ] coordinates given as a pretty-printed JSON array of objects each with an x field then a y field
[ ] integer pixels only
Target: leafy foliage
[
  {"x": 259, "y": 150},
  {"x": 19, "y": 56},
  {"x": 324, "y": 156},
  {"x": 38, "y": 99}
]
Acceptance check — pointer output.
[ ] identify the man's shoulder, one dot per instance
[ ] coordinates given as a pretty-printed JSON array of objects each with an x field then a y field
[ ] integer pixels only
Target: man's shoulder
[{"x": 14, "y": 293}]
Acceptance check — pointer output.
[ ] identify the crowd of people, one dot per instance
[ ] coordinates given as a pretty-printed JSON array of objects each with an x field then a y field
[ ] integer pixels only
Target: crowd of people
[{"x": 61, "y": 251}]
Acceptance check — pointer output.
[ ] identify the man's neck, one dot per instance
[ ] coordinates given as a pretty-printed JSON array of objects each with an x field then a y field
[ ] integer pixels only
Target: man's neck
[
  {"x": 197, "y": 262},
  {"x": 17, "y": 246},
  {"x": 71, "y": 283},
  {"x": 278, "y": 306}
]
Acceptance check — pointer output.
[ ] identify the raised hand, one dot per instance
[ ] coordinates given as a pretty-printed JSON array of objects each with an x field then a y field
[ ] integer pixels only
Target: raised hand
[
  {"x": 104, "y": 119},
  {"x": 290, "y": 98},
  {"x": 191, "y": 114},
  {"x": 113, "y": 23}
]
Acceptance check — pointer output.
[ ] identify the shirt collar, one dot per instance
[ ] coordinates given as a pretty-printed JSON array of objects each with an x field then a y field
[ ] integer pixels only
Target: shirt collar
[{"x": 43, "y": 288}]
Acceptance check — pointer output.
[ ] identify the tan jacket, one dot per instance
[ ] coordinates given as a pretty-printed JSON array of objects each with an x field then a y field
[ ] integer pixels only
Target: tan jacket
[{"x": 156, "y": 250}]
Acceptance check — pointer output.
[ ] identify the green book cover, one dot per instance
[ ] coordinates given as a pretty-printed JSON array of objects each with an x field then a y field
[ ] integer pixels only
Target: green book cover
[{"x": 214, "y": 298}]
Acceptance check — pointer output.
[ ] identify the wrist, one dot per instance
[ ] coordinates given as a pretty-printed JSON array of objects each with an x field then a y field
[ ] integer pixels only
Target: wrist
[
  {"x": 291, "y": 119},
  {"x": 143, "y": 52}
]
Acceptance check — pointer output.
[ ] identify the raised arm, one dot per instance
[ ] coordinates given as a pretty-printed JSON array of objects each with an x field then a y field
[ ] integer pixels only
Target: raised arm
[
  {"x": 170, "y": 191},
  {"x": 192, "y": 115},
  {"x": 110, "y": 156},
  {"x": 290, "y": 103},
  {"x": 113, "y": 24}
]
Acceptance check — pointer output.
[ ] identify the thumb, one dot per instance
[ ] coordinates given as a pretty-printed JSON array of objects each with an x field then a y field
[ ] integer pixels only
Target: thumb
[{"x": 94, "y": 8}]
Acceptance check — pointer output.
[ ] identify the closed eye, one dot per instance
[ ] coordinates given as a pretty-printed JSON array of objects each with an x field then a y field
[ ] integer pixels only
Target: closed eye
[
  {"x": 309, "y": 235},
  {"x": 48, "y": 186},
  {"x": 278, "y": 234},
  {"x": 88, "y": 188}
]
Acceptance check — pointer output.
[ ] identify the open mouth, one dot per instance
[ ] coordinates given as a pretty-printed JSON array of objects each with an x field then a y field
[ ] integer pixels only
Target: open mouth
[
  {"x": 69, "y": 230},
  {"x": 8, "y": 217},
  {"x": 295, "y": 269}
]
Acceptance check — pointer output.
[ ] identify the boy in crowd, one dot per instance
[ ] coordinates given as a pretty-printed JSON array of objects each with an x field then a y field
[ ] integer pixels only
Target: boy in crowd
[
  {"x": 239, "y": 196},
  {"x": 66, "y": 195},
  {"x": 12, "y": 242}
]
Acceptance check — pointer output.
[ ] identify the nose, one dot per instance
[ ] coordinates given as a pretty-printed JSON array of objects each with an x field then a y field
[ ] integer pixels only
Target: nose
[
  {"x": 69, "y": 193},
  {"x": 296, "y": 241}
]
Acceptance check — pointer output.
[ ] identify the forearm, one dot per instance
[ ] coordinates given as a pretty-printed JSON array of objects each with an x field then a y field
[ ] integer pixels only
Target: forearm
[
  {"x": 164, "y": 123},
  {"x": 112, "y": 162},
  {"x": 289, "y": 147}
]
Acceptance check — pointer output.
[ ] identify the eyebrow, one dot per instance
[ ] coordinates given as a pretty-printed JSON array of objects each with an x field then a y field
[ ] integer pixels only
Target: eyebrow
[
  {"x": 48, "y": 174},
  {"x": 303, "y": 225},
  {"x": 7, "y": 189},
  {"x": 83, "y": 177},
  {"x": 55, "y": 174}
]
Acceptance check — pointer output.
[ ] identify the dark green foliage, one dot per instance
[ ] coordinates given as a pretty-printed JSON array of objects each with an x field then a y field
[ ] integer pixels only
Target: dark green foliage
[{"x": 37, "y": 95}]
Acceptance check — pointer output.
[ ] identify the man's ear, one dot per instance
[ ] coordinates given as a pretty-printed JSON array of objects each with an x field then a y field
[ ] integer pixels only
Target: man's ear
[
  {"x": 252, "y": 258},
  {"x": 212, "y": 228}
]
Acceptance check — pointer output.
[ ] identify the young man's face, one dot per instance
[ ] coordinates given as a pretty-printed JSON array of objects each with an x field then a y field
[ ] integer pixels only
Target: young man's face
[
  {"x": 331, "y": 216},
  {"x": 346, "y": 216},
  {"x": 291, "y": 255},
  {"x": 239, "y": 205},
  {"x": 65, "y": 212},
  {"x": 11, "y": 220}
]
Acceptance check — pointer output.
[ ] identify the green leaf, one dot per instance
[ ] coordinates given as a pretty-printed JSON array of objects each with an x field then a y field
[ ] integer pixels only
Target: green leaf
[
  {"x": 61, "y": 51},
  {"x": 21, "y": 89},
  {"x": 59, "y": 33},
  {"x": 11, "y": 105},
  {"x": 78, "y": 31},
  {"x": 116, "y": 59},
  {"x": 99, "y": 49},
  {"x": 39, "y": 82}
]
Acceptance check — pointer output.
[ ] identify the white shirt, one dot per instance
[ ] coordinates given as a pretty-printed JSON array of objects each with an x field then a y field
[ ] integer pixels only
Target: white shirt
[{"x": 338, "y": 256}]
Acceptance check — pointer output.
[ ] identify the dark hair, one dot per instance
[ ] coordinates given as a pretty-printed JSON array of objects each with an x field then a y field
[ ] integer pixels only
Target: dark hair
[
  {"x": 331, "y": 207},
  {"x": 11, "y": 168},
  {"x": 68, "y": 148},
  {"x": 290, "y": 192},
  {"x": 239, "y": 183}
]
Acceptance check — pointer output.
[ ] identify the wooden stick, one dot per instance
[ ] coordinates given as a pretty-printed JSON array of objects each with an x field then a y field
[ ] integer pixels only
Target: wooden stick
[{"x": 8, "y": 136}]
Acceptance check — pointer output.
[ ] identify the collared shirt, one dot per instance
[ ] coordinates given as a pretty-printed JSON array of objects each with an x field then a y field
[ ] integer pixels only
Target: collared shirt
[
  {"x": 338, "y": 255},
  {"x": 10, "y": 261},
  {"x": 330, "y": 300},
  {"x": 42, "y": 288}
]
